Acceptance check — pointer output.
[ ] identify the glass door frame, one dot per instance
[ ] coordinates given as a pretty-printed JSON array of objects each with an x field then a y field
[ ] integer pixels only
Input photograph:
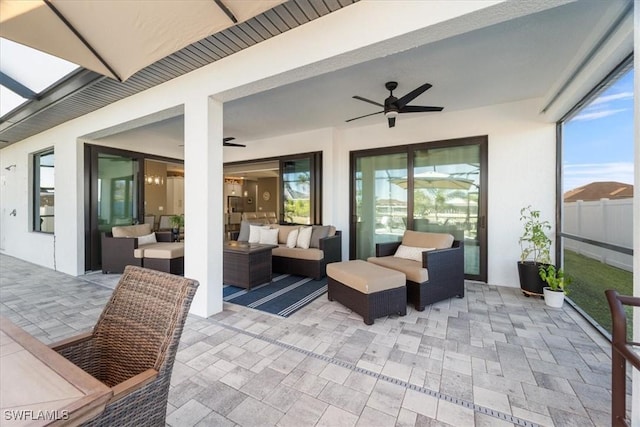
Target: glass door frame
[
  {"x": 92, "y": 238},
  {"x": 481, "y": 141}
]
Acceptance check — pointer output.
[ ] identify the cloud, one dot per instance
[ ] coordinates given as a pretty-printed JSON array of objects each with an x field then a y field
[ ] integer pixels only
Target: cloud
[
  {"x": 612, "y": 97},
  {"x": 598, "y": 114},
  {"x": 577, "y": 175}
]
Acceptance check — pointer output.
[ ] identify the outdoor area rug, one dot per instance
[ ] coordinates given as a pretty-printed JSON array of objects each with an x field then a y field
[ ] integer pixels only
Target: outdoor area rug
[{"x": 285, "y": 295}]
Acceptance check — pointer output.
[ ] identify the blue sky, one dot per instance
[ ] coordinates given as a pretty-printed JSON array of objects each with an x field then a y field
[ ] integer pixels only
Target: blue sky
[{"x": 598, "y": 141}]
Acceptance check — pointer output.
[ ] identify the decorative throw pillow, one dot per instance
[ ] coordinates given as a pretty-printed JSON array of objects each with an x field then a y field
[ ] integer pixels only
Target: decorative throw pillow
[
  {"x": 319, "y": 232},
  {"x": 304, "y": 237},
  {"x": 147, "y": 239},
  {"x": 243, "y": 236},
  {"x": 254, "y": 233},
  {"x": 411, "y": 252},
  {"x": 269, "y": 236},
  {"x": 292, "y": 238}
]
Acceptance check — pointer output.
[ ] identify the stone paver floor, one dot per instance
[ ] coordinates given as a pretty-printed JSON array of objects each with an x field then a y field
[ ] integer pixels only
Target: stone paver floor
[{"x": 493, "y": 358}]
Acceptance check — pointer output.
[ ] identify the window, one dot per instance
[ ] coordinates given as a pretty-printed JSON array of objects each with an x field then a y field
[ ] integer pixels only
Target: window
[
  {"x": 43, "y": 191},
  {"x": 597, "y": 196}
]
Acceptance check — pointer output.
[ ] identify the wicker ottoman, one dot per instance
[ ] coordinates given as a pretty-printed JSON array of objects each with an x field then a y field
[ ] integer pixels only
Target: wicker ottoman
[
  {"x": 167, "y": 257},
  {"x": 367, "y": 289}
]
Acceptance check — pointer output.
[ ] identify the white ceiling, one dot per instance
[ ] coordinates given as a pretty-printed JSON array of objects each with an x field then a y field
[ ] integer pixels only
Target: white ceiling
[{"x": 519, "y": 59}]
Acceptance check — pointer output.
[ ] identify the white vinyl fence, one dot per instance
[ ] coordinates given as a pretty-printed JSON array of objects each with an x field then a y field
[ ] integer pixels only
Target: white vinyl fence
[{"x": 605, "y": 221}]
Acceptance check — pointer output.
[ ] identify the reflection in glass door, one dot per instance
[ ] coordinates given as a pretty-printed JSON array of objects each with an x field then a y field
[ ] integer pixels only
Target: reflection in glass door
[
  {"x": 435, "y": 187},
  {"x": 296, "y": 194},
  {"x": 380, "y": 203},
  {"x": 446, "y": 183}
]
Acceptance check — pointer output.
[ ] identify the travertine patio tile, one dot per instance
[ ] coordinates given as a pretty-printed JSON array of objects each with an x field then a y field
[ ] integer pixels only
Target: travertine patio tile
[
  {"x": 373, "y": 418},
  {"x": 360, "y": 382},
  {"x": 335, "y": 373},
  {"x": 188, "y": 414},
  {"x": 344, "y": 398},
  {"x": 336, "y": 417},
  {"x": 183, "y": 392},
  {"x": 237, "y": 377},
  {"x": 491, "y": 399},
  {"x": 454, "y": 415},
  {"x": 387, "y": 398},
  {"x": 282, "y": 397},
  {"x": 534, "y": 417},
  {"x": 553, "y": 399},
  {"x": 483, "y": 420},
  {"x": 215, "y": 419},
  {"x": 307, "y": 411},
  {"x": 406, "y": 418},
  {"x": 252, "y": 412},
  {"x": 420, "y": 403},
  {"x": 397, "y": 370},
  {"x": 310, "y": 384},
  {"x": 263, "y": 383},
  {"x": 221, "y": 398}
]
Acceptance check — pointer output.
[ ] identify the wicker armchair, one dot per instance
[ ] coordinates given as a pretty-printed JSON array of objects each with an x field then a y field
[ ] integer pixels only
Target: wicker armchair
[{"x": 133, "y": 345}]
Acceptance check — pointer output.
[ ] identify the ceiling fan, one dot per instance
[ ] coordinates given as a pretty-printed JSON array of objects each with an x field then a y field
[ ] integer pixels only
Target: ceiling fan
[
  {"x": 394, "y": 106},
  {"x": 226, "y": 143}
]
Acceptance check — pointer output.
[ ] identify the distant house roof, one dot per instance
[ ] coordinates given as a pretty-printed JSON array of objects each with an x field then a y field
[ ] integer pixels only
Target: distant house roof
[{"x": 600, "y": 190}]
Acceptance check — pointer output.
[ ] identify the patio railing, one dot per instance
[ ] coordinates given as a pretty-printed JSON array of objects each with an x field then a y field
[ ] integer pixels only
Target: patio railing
[{"x": 622, "y": 351}]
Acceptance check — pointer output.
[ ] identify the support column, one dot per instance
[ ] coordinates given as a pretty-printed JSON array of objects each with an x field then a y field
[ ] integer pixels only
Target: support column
[{"x": 203, "y": 198}]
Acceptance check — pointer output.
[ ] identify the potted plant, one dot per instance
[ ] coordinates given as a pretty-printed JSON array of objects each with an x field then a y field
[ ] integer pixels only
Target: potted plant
[
  {"x": 177, "y": 221},
  {"x": 557, "y": 289},
  {"x": 535, "y": 251}
]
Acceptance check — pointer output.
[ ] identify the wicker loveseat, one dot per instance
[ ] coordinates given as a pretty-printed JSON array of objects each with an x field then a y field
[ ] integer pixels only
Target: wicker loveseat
[
  {"x": 432, "y": 262},
  {"x": 324, "y": 247}
]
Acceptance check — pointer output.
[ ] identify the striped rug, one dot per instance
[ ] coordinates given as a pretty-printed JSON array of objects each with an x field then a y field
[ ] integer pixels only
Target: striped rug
[{"x": 285, "y": 295}]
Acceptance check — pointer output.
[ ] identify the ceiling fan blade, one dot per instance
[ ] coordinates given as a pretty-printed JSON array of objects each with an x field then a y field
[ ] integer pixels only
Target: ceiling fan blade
[
  {"x": 392, "y": 121},
  {"x": 359, "y": 98},
  {"x": 229, "y": 138},
  {"x": 401, "y": 102},
  {"x": 419, "y": 109},
  {"x": 366, "y": 115},
  {"x": 232, "y": 144}
]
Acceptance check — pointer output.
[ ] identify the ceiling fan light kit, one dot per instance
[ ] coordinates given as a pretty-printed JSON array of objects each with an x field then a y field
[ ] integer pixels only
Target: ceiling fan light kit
[{"x": 394, "y": 106}]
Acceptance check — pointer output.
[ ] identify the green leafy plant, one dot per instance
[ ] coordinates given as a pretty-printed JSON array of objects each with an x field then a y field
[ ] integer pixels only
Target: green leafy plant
[
  {"x": 534, "y": 242},
  {"x": 177, "y": 221},
  {"x": 555, "y": 278}
]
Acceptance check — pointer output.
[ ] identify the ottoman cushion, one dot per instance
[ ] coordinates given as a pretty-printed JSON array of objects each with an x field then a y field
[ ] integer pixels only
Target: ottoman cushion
[{"x": 365, "y": 277}]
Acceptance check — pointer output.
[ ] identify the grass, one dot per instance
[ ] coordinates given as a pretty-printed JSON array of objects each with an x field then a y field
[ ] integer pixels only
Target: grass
[{"x": 590, "y": 279}]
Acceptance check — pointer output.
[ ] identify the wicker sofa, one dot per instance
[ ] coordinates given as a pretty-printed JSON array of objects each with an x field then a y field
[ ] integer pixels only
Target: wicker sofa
[
  {"x": 435, "y": 271},
  {"x": 325, "y": 246}
]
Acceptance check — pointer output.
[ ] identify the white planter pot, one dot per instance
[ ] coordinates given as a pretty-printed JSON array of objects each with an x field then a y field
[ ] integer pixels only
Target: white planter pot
[{"x": 553, "y": 299}]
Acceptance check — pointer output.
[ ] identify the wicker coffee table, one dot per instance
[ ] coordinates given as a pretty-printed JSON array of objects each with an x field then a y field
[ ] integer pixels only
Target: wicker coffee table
[{"x": 246, "y": 264}]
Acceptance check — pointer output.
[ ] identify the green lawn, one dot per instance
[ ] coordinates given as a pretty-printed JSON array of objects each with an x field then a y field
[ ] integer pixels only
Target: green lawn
[{"x": 590, "y": 279}]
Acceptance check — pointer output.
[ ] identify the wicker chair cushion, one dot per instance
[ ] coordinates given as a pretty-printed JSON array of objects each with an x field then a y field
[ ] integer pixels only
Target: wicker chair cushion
[
  {"x": 298, "y": 253},
  {"x": 427, "y": 240},
  {"x": 412, "y": 269},
  {"x": 131, "y": 230}
]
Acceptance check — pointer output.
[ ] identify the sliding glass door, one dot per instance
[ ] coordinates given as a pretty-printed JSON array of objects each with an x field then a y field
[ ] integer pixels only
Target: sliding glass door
[
  {"x": 435, "y": 187},
  {"x": 380, "y": 203},
  {"x": 446, "y": 184},
  {"x": 114, "y": 190}
]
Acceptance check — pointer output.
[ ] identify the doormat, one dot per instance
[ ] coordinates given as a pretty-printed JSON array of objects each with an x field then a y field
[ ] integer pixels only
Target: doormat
[{"x": 283, "y": 296}]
